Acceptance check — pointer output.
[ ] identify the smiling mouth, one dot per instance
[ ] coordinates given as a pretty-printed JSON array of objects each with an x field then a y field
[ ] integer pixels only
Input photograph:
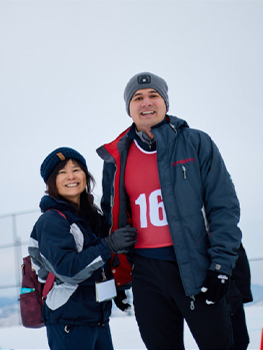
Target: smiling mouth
[
  {"x": 148, "y": 113},
  {"x": 72, "y": 185}
]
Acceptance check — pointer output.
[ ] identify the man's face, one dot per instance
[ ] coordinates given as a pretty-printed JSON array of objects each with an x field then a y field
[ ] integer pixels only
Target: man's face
[{"x": 147, "y": 108}]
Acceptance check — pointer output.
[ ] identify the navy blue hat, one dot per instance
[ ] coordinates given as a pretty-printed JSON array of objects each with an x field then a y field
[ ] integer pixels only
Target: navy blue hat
[
  {"x": 58, "y": 155},
  {"x": 145, "y": 80}
]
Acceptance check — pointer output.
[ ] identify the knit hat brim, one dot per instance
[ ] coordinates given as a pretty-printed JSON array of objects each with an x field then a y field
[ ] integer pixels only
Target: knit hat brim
[
  {"x": 59, "y": 155},
  {"x": 145, "y": 80}
]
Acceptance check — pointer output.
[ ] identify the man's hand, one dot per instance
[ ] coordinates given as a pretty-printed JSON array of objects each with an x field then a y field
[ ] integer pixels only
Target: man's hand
[
  {"x": 121, "y": 301},
  {"x": 120, "y": 240},
  {"x": 215, "y": 286}
]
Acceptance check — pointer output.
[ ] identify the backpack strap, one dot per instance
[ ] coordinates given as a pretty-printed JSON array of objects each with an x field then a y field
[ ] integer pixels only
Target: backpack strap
[
  {"x": 48, "y": 285},
  {"x": 64, "y": 216}
]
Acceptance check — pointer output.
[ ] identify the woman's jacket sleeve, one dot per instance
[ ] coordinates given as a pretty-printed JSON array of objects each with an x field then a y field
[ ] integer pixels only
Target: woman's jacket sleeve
[{"x": 60, "y": 245}]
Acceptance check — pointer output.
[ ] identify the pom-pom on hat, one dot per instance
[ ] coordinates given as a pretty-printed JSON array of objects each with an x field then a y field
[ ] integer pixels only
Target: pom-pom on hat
[
  {"x": 145, "y": 80},
  {"x": 58, "y": 155}
]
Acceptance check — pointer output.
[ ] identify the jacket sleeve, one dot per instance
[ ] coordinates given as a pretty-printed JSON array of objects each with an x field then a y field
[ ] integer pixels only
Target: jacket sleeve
[
  {"x": 221, "y": 207},
  {"x": 60, "y": 255}
]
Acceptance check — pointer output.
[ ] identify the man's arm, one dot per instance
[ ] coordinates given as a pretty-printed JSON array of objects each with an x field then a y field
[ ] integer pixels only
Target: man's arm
[{"x": 221, "y": 207}]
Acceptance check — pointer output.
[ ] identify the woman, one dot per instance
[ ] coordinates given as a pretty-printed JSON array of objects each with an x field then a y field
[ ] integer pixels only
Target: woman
[{"x": 67, "y": 240}]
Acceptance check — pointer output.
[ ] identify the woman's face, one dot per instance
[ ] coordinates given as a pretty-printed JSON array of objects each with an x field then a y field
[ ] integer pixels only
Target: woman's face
[{"x": 71, "y": 181}]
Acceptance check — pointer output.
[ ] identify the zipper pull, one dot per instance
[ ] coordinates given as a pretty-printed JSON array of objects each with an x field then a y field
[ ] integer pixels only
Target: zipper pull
[
  {"x": 111, "y": 201},
  {"x": 173, "y": 127},
  {"x": 103, "y": 274},
  {"x": 192, "y": 302},
  {"x": 184, "y": 170}
]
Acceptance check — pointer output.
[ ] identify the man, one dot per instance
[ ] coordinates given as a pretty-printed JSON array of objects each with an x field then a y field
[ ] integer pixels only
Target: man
[{"x": 170, "y": 182}]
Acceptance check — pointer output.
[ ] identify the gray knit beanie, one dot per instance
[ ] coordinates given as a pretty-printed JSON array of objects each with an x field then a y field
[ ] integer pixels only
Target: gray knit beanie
[{"x": 145, "y": 80}]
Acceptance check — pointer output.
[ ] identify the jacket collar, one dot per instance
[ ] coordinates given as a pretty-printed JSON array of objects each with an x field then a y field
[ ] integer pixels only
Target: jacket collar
[
  {"x": 47, "y": 202},
  {"x": 110, "y": 151}
]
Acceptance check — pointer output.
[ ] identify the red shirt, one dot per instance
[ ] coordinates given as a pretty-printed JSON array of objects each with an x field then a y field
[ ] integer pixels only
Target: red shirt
[{"x": 144, "y": 190}]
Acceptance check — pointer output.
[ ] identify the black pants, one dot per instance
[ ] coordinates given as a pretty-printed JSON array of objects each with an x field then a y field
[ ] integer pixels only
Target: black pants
[
  {"x": 161, "y": 306},
  {"x": 241, "y": 337}
]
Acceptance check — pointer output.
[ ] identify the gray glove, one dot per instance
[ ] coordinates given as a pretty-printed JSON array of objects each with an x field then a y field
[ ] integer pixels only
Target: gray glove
[{"x": 120, "y": 240}]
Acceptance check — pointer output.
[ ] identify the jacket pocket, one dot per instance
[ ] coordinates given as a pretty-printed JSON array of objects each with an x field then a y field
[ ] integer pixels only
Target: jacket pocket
[{"x": 186, "y": 192}]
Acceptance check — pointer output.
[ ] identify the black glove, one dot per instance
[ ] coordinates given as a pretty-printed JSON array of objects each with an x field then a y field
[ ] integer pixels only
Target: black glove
[
  {"x": 215, "y": 286},
  {"x": 120, "y": 240},
  {"x": 121, "y": 301}
]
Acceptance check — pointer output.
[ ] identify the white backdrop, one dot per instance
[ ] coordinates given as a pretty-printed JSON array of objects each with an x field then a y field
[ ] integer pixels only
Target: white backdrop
[{"x": 64, "y": 66}]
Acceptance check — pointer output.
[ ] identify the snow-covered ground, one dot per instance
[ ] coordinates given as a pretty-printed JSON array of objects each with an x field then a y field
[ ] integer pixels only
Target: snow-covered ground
[{"x": 125, "y": 333}]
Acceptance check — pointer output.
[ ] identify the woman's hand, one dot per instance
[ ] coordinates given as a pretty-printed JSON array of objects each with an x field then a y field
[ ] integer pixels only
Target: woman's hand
[{"x": 120, "y": 240}]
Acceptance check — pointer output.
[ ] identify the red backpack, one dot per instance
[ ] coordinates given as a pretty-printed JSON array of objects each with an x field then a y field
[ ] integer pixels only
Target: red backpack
[{"x": 32, "y": 295}]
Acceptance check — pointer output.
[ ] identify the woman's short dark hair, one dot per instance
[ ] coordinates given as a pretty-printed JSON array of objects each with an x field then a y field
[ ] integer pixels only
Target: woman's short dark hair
[{"x": 87, "y": 207}]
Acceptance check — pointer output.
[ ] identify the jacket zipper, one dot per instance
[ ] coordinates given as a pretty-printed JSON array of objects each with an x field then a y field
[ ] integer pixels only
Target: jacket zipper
[
  {"x": 150, "y": 144},
  {"x": 184, "y": 170},
  {"x": 112, "y": 199},
  {"x": 192, "y": 305}
]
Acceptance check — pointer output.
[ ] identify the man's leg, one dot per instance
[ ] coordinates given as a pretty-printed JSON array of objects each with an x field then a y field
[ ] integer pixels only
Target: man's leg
[
  {"x": 210, "y": 325},
  {"x": 158, "y": 316},
  {"x": 161, "y": 305}
]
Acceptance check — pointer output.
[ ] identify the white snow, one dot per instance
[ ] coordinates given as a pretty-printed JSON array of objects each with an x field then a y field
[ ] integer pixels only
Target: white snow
[{"x": 124, "y": 331}]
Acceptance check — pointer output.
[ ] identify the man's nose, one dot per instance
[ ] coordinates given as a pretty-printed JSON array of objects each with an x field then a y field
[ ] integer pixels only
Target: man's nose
[{"x": 147, "y": 101}]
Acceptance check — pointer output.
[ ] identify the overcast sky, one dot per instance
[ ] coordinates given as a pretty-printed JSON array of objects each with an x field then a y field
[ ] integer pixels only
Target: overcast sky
[{"x": 64, "y": 66}]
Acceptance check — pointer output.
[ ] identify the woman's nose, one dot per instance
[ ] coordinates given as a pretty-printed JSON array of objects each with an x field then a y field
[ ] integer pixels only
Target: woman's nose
[{"x": 71, "y": 175}]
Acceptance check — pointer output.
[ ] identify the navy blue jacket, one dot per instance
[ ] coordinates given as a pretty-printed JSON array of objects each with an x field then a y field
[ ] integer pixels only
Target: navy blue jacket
[
  {"x": 201, "y": 205},
  {"x": 67, "y": 247}
]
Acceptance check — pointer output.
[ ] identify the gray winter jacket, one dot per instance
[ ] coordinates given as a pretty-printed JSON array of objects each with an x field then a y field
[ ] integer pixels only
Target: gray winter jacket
[{"x": 201, "y": 205}]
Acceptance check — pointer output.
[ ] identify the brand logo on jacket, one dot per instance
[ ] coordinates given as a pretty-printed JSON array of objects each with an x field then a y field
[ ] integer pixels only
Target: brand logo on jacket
[{"x": 183, "y": 161}]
